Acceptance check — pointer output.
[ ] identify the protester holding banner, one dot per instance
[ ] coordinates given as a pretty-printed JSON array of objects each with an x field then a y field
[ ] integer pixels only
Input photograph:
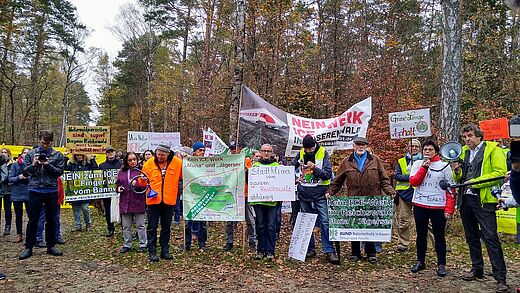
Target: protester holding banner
[
  {"x": 81, "y": 163},
  {"x": 164, "y": 172},
  {"x": 43, "y": 165},
  {"x": 362, "y": 174},
  {"x": 131, "y": 204},
  {"x": 266, "y": 212},
  {"x": 5, "y": 190},
  {"x": 250, "y": 215},
  {"x": 405, "y": 193},
  {"x": 19, "y": 192},
  {"x": 481, "y": 160},
  {"x": 431, "y": 203},
  {"x": 111, "y": 163},
  {"x": 196, "y": 228},
  {"x": 315, "y": 169}
]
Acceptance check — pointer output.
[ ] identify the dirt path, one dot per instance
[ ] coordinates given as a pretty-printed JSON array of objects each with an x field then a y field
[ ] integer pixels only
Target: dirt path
[{"x": 92, "y": 264}]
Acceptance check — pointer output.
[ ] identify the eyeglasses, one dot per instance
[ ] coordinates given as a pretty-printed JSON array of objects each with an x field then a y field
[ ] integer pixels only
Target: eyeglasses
[
  {"x": 414, "y": 146},
  {"x": 266, "y": 151}
]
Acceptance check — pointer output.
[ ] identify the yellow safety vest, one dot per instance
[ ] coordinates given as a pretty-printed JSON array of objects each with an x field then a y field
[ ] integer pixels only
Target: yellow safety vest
[
  {"x": 404, "y": 169},
  {"x": 320, "y": 155}
]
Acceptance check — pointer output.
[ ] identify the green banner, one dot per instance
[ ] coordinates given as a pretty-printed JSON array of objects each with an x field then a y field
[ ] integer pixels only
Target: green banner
[
  {"x": 360, "y": 218},
  {"x": 213, "y": 188},
  {"x": 87, "y": 185}
]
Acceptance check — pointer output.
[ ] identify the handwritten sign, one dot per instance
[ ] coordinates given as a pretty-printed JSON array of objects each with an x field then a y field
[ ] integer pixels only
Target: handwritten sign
[
  {"x": 301, "y": 235},
  {"x": 139, "y": 142},
  {"x": 271, "y": 183},
  {"x": 413, "y": 123},
  {"x": 87, "y": 139},
  {"x": 495, "y": 128}
]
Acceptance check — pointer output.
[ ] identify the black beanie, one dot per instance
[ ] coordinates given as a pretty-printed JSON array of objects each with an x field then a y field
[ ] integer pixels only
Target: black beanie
[{"x": 308, "y": 141}]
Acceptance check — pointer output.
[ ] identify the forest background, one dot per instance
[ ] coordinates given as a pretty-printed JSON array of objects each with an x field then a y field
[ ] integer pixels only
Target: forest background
[{"x": 183, "y": 62}]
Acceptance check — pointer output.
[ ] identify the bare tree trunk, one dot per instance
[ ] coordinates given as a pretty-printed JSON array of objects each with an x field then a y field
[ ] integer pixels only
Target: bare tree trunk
[
  {"x": 35, "y": 75},
  {"x": 238, "y": 76},
  {"x": 451, "y": 71},
  {"x": 7, "y": 45}
]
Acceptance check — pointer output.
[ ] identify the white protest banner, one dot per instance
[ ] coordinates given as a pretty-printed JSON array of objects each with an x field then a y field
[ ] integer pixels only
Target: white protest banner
[
  {"x": 213, "y": 188},
  {"x": 213, "y": 144},
  {"x": 261, "y": 122},
  {"x": 88, "y": 185},
  {"x": 139, "y": 142},
  {"x": 360, "y": 218},
  {"x": 301, "y": 235},
  {"x": 412, "y": 123},
  {"x": 271, "y": 183}
]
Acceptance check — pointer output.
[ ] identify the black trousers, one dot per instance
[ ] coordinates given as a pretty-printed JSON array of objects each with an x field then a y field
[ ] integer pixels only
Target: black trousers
[
  {"x": 18, "y": 215},
  {"x": 422, "y": 217},
  {"x": 7, "y": 209},
  {"x": 370, "y": 248},
  {"x": 37, "y": 201},
  {"x": 474, "y": 216},
  {"x": 163, "y": 212},
  {"x": 106, "y": 206}
]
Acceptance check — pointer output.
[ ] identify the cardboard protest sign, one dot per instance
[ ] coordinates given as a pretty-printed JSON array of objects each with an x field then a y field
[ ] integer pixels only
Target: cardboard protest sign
[
  {"x": 261, "y": 122},
  {"x": 87, "y": 139},
  {"x": 301, "y": 236},
  {"x": 360, "y": 218},
  {"x": 495, "y": 128},
  {"x": 271, "y": 183},
  {"x": 139, "y": 142},
  {"x": 88, "y": 185},
  {"x": 412, "y": 123},
  {"x": 214, "y": 188}
]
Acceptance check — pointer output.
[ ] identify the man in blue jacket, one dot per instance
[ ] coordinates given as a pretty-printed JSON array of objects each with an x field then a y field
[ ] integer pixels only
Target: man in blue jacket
[{"x": 42, "y": 165}]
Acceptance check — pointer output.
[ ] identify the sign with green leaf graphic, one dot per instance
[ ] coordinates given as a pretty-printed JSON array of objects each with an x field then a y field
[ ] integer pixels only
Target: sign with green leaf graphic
[
  {"x": 360, "y": 218},
  {"x": 214, "y": 188}
]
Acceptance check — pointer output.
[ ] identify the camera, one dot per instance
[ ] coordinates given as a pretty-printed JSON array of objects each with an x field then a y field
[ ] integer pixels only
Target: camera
[{"x": 42, "y": 158}]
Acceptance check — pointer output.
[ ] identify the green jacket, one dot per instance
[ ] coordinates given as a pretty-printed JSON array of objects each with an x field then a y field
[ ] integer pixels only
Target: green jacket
[{"x": 493, "y": 165}]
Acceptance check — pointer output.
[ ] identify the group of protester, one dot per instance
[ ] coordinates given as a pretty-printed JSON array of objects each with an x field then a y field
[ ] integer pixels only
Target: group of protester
[{"x": 153, "y": 189}]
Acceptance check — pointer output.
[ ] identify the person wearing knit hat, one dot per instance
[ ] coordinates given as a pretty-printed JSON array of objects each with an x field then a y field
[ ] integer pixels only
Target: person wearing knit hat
[
  {"x": 315, "y": 172},
  {"x": 199, "y": 229},
  {"x": 405, "y": 193},
  {"x": 164, "y": 173}
]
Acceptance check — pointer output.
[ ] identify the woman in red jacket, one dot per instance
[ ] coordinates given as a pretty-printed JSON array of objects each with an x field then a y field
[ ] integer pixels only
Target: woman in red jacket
[{"x": 431, "y": 203}]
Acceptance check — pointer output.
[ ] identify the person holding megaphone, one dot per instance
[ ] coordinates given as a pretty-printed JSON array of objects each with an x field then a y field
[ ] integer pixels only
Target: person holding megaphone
[{"x": 431, "y": 203}]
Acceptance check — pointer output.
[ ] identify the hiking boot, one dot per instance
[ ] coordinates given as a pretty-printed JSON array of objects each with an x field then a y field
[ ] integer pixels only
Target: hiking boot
[
  {"x": 166, "y": 255},
  {"x": 153, "y": 257},
  {"x": 7, "y": 230},
  {"x": 332, "y": 258},
  {"x": 228, "y": 247},
  {"x": 26, "y": 253},
  {"x": 259, "y": 256},
  {"x": 355, "y": 258},
  {"x": 77, "y": 229},
  {"x": 502, "y": 287},
  {"x": 441, "y": 271},
  {"x": 2, "y": 276},
  {"x": 270, "y": 257},
  {"x": 54, "y": 251},
  {"x": 124, "y": 249},
  {"x": 372, "y": 259},
  {"x": 310, "y": 254},
  {"x": 401, "y": 248},
  {"x": 417, "y": 267},
  {"x": 60, "y": 240},
  {"x": 110, "y": 233},
  {"x": 473, "y": 274},
  {"x": 41, "y": 244}
]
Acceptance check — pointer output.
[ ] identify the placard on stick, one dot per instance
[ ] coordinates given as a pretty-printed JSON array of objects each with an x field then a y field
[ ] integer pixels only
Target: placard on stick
[
  {"x": 495, "y": 128},
  {"x": 87, "y": 139}
]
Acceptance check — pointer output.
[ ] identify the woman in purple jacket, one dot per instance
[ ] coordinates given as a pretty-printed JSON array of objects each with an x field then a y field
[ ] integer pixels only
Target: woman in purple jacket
[{"x": 131, "y": 205}]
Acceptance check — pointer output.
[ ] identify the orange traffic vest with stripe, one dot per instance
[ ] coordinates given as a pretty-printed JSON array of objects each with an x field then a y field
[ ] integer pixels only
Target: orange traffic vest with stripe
[{"x": 167, "y": 187}]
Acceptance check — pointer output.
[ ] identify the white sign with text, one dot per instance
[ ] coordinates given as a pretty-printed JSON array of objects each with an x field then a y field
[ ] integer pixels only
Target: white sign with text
[
  {"x": 271, "y": 183},
  {"x": 301, "y": 235}
]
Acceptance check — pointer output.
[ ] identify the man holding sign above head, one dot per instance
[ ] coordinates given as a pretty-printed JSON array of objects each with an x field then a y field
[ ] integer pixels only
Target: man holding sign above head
[
  {"x": 362, "y": 174},
  {"x": 164, "y": 172},
  {"x": 315, "y": 169}
]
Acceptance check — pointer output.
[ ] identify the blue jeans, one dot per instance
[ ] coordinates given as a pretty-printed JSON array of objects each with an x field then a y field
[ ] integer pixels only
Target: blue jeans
[
  {"x": 77, "y": 208},
  {"x": 41, "y": 223},
  {"x": 320, "y": 208},
  {"x": 278, "y": 220},
  {"x": 198, "y": 228},
  {"x": 177, "y": 210},
  {"x": 266, "y": 228}
]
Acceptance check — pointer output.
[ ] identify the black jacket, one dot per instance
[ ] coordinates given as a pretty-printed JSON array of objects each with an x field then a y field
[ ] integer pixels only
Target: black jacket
[{"x": 41, "y": 176}]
